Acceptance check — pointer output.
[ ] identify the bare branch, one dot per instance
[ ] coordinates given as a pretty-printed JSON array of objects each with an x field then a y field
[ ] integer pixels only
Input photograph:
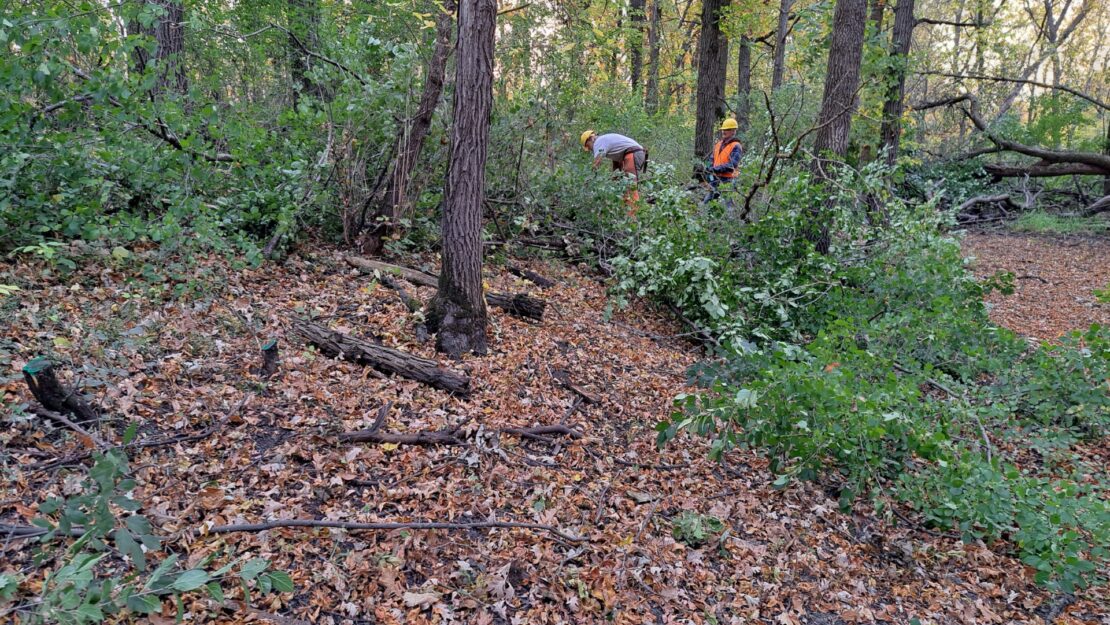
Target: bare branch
[{"x": 1023, "y": 81}]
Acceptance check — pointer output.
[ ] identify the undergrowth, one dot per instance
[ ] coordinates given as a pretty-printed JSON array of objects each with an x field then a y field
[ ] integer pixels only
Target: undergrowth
[{"x": 875, "y": 368}]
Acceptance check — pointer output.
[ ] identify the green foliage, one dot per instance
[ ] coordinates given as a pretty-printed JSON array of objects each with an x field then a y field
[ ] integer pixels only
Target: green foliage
[
  {"x": 695, "y": 529},
  {"x": 104, "y": 572},
  {"x": 1039, "y": 221}
]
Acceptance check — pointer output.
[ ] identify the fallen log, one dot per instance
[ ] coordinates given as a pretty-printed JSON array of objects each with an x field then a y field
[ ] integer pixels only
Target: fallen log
[
  {"x": 387, "y": 360},
  {"x": 409, "y": 301},
  {"x": 366, "y": 265},
  {"x": 531, "y": 276},
  {"x": 1041, "y": 170},
  {"x": 983, "y": 199},
  {"x": 519, "y": 305},
  {"x": 44, "y": 385},
  {"x": 1101, "y": 206}
]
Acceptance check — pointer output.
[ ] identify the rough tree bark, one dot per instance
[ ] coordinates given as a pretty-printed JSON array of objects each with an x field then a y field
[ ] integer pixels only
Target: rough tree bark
[
  {"x": 712, "y": 70},
  {"x": 778, "y": 71},
  {"x": 651, "y": 96},
  {"x": 900, "y": 40},
  {"x": 837, "y": 105},
  {"x": 391, "y": 204},
  {"x": 636, "y": 42},
  {"x": 168, "y": 32},
  {"x": 457, "y": 313},
  {"x": 743, "y": 83}
]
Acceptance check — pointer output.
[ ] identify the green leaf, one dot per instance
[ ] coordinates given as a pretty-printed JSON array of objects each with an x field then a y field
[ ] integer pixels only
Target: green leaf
[
  {"x": 281, "y": 581},
  {"x": 191, "y": 580},
  {"x": 144, "y": 604},
  {"x": 127, "y": 545},
  {"x": 215, "y": 591},
  {"x": 130, "y": 432},
  {"x": 253, "y": 568}
]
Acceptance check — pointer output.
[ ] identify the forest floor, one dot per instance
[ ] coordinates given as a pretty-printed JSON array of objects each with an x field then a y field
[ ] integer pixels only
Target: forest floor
[
  {"x": 1055, "y": 277},
  {"x": 179, "y": 366}
]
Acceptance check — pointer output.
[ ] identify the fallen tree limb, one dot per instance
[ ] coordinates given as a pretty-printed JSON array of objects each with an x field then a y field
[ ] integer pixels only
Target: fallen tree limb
[
  {"x": 1101, "y": 206},
  {"x": 1040, "y": 170},
  {"x": 422, "y": 437},
  {"x": 409, "y": 301},
  {"x": 531, "y": 276},
  {"x": 563, "y": 378},
  {"x": 385, "y": 526},
  {"x": 519, "y": 305},
  {"x": 1100, "y": 161},
  {"x": 983, "y": 199},
  {"x": 346, "y": 347},
  {"x": 366, "y": 265},
  {"x": 62, "y": 420},
  {"x": 543, "y": 432}
]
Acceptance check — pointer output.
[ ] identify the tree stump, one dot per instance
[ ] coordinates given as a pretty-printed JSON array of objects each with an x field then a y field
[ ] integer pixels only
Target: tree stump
[
  {"x": 48, "y": 391},
  {"x": 269, "y": 359}
]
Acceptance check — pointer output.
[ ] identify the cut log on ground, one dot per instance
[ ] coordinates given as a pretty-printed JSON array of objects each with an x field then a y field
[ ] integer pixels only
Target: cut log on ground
[
  {"x": 366, "y": 265},
  {"x": 44, "y": 385},
  {"x": 387, "y": 360},
  {"x": 531, "y": 276},
  {"x": 519, "y": 305}
]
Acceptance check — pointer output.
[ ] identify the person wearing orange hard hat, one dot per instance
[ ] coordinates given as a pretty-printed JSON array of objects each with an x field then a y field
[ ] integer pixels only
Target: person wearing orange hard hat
[{"x": 627, "y": 156}]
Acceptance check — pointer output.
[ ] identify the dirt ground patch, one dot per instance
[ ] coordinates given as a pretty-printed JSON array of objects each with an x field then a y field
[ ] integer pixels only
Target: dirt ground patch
[{"x": 1055, "y": 280}]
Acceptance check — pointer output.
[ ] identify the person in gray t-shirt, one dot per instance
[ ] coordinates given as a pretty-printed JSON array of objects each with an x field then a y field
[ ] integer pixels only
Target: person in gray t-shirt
[{"x": 625, "y": 154}]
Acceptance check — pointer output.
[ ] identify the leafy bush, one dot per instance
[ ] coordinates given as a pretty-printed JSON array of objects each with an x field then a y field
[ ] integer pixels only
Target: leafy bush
[
  {"x": 695, "y": 529},
  {"x": 105, "y": 571}
]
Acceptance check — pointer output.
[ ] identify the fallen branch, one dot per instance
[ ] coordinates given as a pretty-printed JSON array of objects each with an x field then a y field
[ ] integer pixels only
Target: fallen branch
[
  {"x": 519, "y": 305},
  {"x": 1041, "y": 170},
  {"x": 543, "y": 432},
  {"x": 409, "y": 301},
  {"x": 423, "y": 437},
  {"x": 531, "y": 276},
  {"x": 346, "y": 347},
  {"x": 62, "y": 420},
  {"x": 563, "y": 378},
  {"x": 982, "y": 199},
  {"x": 1100, "y": 206},
  {"x": 385, "y": 526}
]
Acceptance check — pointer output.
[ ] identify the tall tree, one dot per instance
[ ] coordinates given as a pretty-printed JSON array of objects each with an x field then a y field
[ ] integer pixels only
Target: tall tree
[
  {"x": 838, "y": 103},
  {"x": 743, "y": 82},
  {"x": 900, "y": 40},
  {"x": 390, "y": 205},
  {"x": 651, "y": 95},
  {"x": 168, "y": 60},
  {"x": 636, "y": 41},
  {"x": 712, "y": 70},
  {"x": 778, "y": 69},
  {"x": 303, "y": 38},
  {"x": 458, "y": 311}
]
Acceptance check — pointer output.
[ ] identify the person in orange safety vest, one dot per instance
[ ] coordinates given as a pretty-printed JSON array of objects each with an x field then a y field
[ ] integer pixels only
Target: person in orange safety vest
[{"x": 724, "y": 163}]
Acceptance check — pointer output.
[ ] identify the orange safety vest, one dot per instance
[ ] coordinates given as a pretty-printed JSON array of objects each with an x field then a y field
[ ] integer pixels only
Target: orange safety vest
[{"x": 722, "y": 151}]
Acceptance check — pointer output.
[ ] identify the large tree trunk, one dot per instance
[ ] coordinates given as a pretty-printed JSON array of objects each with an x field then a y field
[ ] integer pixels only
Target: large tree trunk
[
  {"x": 651, "y": 97},
  {"x": 743, "y": 83},
  {"x": 458, "y": 311},
  {"x": 168, "y": 33},
  {"x": 891, "y": 129},
  {"x": 778, "y": 71},
  {"x": 636, "y": 42},
  {"x": 712, "y": 70},
  {"x": 303, "y": 35},
  {"x": 392, "y": 203},
  {"x": 837, "y": 105},
  {"x": 1106, "y": 151}
]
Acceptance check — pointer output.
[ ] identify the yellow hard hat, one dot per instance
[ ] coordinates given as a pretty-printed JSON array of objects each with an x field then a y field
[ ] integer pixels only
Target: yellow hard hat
[
  {"x": 586, "y": 137},
  {"x": 729, "y": 124}
]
